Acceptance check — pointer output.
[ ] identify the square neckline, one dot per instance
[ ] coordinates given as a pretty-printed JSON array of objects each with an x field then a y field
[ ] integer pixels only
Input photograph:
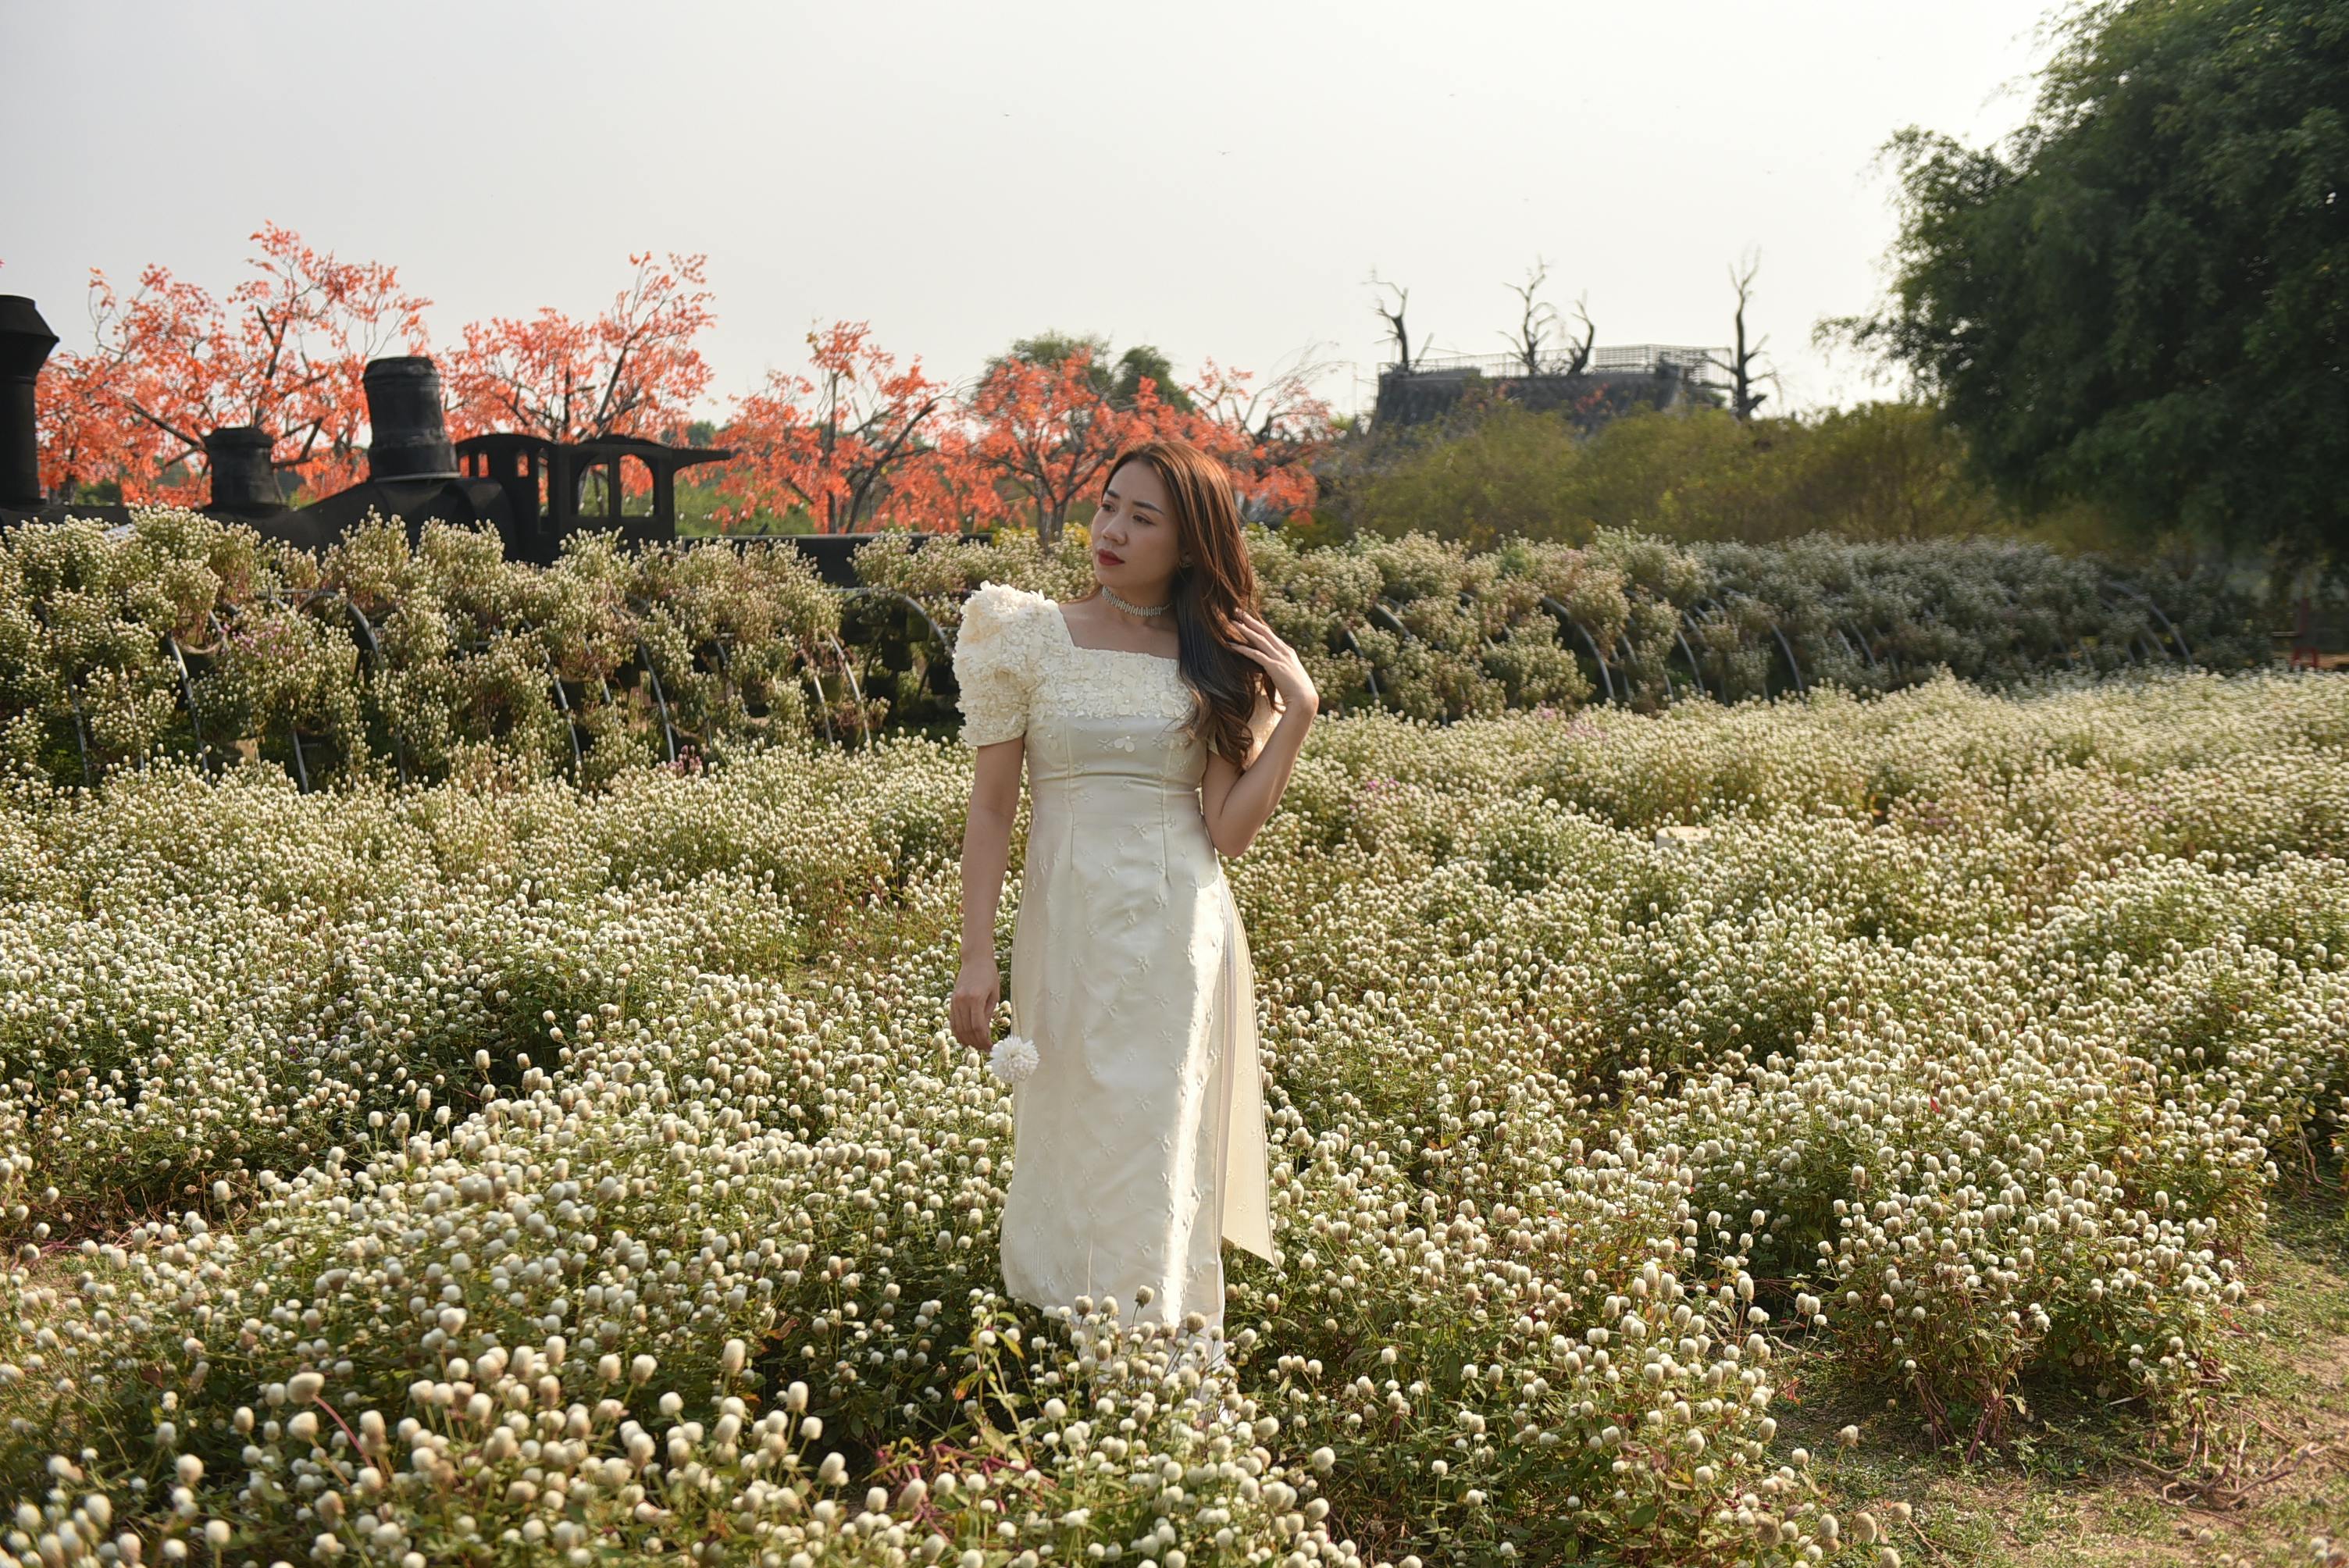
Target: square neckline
[{"x": 1069, "y": 639}]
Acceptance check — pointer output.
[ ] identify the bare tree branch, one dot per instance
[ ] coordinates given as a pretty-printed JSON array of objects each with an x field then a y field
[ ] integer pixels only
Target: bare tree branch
[
  {"x": 1590, "y": 336},
  {"x": 1533, "y": 318},
  {"x": 1394, "y": 318},
  {"x": 1744, "y": 399}
]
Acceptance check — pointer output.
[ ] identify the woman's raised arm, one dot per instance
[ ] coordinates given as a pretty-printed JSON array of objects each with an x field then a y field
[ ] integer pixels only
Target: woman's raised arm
[{"x": 1238, "y": 802}]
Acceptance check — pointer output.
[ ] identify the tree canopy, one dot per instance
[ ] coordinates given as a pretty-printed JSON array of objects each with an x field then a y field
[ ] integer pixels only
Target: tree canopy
[
  {"x": 1118, "y": 381},
  {"x": 2143, "y": 298}
]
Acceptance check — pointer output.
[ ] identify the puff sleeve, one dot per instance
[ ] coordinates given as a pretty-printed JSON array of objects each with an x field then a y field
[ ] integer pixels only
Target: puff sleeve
[{"x": 993, "y": 665}]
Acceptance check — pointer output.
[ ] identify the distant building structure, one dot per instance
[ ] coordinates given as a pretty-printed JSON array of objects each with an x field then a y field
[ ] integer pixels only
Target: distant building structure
[{"x": 1610, "y": 383}]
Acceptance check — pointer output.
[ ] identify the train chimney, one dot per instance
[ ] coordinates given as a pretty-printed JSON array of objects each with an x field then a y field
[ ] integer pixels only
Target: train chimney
[
  {"x": 410, "y": 430},
  {"x": 243, "y": 479},
  {"x": 24, "y": 344}
]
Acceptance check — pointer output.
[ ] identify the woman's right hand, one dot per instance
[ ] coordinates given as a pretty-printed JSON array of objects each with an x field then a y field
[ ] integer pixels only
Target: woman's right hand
[{"x": 970, "y": 1011}]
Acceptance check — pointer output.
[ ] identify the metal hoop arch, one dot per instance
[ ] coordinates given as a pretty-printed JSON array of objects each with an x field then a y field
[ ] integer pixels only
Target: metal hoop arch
[{"x": 1605, "y": 676}]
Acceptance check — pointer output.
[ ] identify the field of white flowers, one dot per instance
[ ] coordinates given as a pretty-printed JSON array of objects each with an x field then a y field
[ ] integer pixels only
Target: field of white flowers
[{"x": 453, "y": 1176}]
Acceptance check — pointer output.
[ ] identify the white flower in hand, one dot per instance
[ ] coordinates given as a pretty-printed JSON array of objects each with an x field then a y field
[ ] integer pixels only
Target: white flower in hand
[{"x": 1014, "y": 1058}]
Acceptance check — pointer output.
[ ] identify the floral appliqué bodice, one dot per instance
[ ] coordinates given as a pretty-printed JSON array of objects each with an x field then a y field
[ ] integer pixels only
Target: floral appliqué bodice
[{"x": 1021, "y": 672}]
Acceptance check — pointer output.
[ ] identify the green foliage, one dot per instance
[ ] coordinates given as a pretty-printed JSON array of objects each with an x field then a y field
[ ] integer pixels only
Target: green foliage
[
  {"x": 1884, "y": 470},
  {"x": 186, "y": 635},
  {"x": 2139, "y": 301},
  {"x": 1383, "y": 622},
  {"x": 1117, "y": 381},
  {"x": 1881, "y": 472},
  {"x": 1509, "y": 476}
]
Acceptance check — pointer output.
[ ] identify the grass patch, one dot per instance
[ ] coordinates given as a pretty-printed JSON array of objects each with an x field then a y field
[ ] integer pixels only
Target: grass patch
[{"x": 2077, "y": 1486}]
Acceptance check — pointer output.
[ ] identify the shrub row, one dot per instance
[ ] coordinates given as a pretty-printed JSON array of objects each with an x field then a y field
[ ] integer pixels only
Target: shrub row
[{"x": 184, "y": 636}]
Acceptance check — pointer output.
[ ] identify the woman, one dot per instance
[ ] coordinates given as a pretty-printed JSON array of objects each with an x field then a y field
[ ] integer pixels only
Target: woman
[{"x": 1159, "y": 719}]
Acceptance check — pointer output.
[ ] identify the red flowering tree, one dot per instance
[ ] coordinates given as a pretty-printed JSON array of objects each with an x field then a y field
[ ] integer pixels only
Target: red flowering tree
[
  {"x": 1268, "y": 437},
  {"x": 857, "y": 444},
  {"x": 858, "y": 441},
  {"x": 286, "y": 352},
  {"x": 632, "y": 371},
  {"x": 1046, "y": 426},
  {"x": 85, "y": 431},
  {"x": 951, "y": 487}
]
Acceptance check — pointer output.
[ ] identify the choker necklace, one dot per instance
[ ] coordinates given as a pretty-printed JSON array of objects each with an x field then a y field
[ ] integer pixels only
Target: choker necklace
[{"x": 1111, "y": 594}]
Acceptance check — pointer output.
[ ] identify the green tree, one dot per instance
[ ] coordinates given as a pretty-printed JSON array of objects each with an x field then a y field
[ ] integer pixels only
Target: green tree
[
  {"x": 1893, "y": 471},
  {"x": 2143, "y": 300},
  {"x": 1118, "y": 381},
  {"x": 1509, "y": 474}
]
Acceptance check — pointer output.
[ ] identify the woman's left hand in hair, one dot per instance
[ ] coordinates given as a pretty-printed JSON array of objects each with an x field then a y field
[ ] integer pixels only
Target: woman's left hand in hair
[{"x": 1262, "y": 644}]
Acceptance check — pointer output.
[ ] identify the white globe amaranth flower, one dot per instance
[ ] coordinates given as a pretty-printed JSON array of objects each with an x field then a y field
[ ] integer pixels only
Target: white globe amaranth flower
[
  {"x": 1013, "y": 1059},
  {"x": 1921, "y": 1040}
]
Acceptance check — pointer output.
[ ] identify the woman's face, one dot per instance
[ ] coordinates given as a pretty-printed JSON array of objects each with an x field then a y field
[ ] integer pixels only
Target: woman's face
[{"x": 1134, "y": 546}]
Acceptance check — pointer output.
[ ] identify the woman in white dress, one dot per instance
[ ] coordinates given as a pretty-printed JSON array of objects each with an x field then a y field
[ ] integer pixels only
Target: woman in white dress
[{"x": 1159, "y": 719}]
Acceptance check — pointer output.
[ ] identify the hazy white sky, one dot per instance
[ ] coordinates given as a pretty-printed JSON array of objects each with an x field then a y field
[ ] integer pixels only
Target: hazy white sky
[{"x": 1217, "y": 179}]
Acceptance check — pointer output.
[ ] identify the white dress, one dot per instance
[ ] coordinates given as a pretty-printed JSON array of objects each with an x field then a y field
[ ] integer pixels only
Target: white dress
[{"x": 1138, "y": 1143}]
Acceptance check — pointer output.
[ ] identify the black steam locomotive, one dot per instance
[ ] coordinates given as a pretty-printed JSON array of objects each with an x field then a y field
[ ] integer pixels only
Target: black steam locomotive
[{"x": 530, "y": 489}]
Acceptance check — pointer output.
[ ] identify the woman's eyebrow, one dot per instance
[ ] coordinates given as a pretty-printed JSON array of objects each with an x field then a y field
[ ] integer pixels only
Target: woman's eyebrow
[{"x": 1111, "y": 491}]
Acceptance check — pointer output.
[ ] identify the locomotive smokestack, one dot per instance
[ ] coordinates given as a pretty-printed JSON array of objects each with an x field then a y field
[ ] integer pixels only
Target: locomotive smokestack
[
  {"x": 242, "y": 479},
  {"x": 24, "y": 344},
  {"x": 411, "y": 432}
]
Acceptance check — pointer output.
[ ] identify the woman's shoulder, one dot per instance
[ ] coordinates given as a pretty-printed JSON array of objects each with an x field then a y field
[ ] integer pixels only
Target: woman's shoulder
[
  {"x": 1004, "y": 620},
  {"x": 1007, "y": 600}
]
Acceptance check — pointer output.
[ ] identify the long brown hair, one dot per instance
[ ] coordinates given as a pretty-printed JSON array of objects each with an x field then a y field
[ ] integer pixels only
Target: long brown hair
[{"x": 1220, "y": 582}]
